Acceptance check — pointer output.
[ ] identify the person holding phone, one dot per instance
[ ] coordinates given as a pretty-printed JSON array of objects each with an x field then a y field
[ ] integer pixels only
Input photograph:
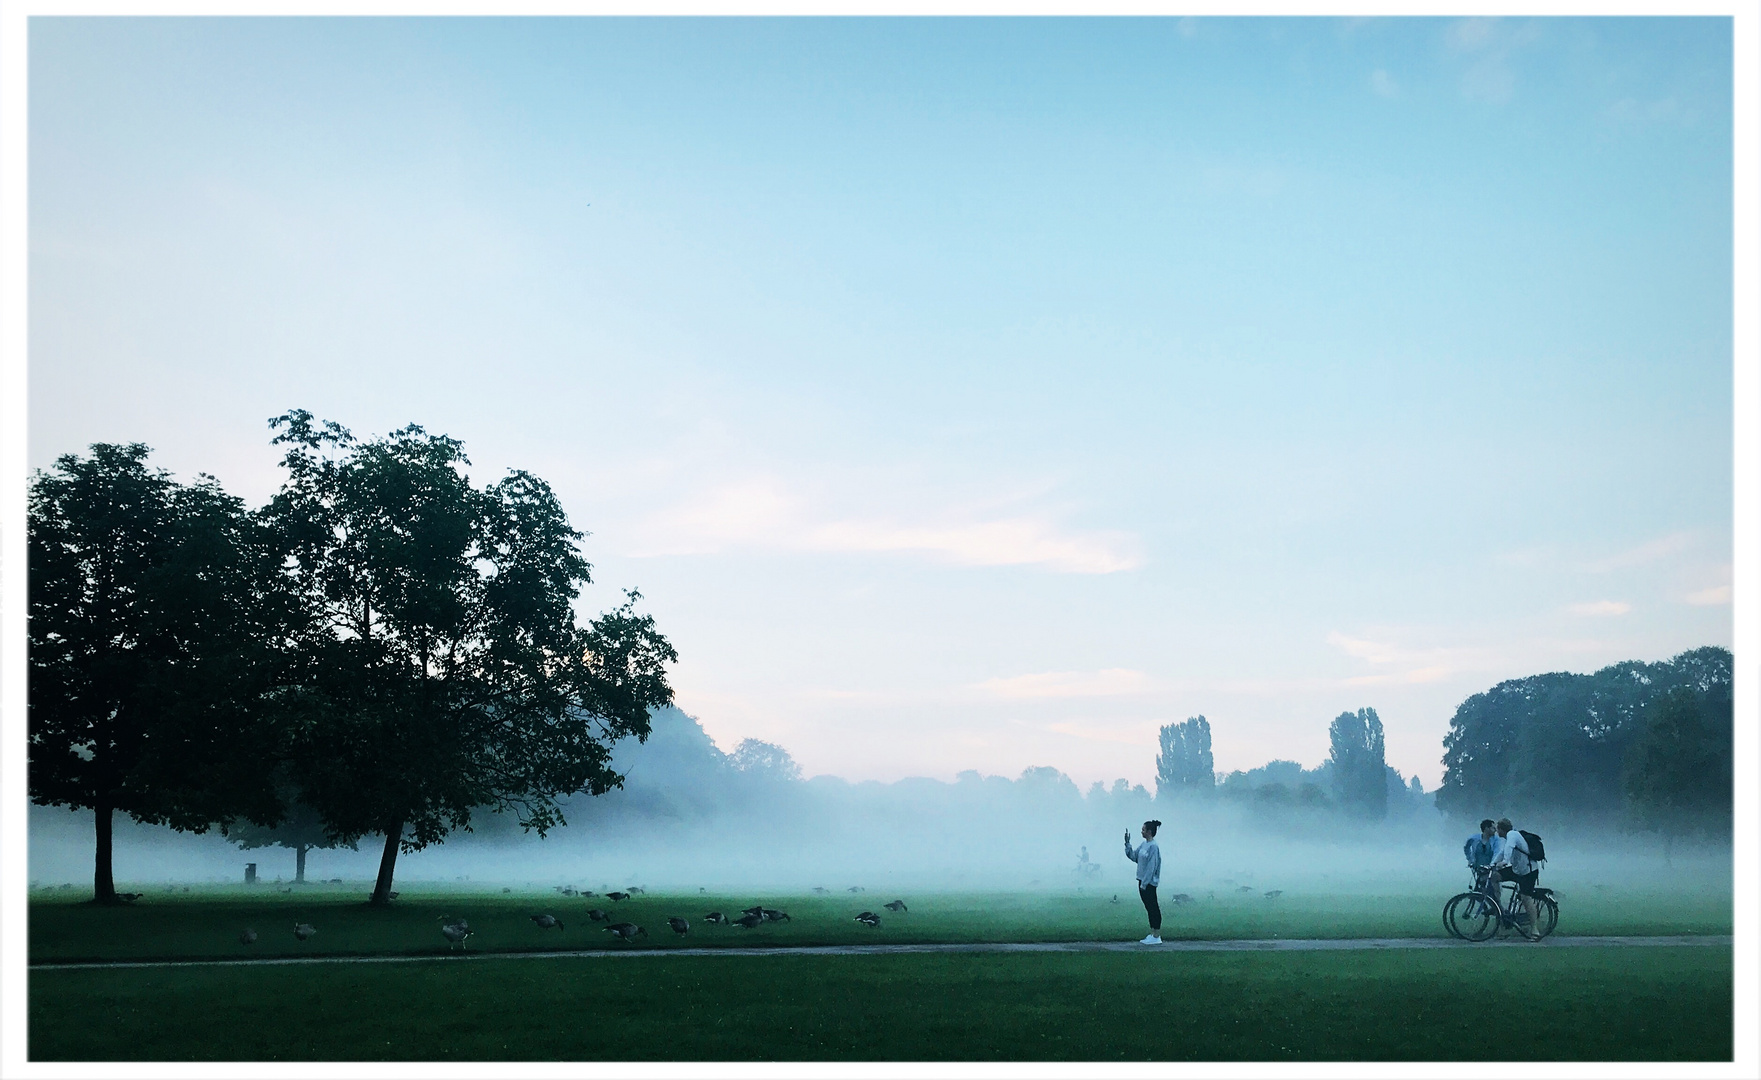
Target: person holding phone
[{"x": 1148, "y": 857}]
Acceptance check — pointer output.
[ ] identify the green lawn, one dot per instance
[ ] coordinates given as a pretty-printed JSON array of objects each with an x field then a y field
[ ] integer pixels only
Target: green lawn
[
  {"x": 206, "y": 921},
  {"x": 1587, "y": 1003}
]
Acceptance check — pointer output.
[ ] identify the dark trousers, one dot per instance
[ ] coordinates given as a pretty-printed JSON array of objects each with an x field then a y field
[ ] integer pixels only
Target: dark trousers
[{"x": 1147, "y": 893}]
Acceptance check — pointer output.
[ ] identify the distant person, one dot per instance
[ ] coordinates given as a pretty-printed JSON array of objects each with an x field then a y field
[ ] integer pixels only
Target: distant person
[
  {"x": 1482, "y": 847},
  {"x": 1148, "y": 858},
  {"x": 1511, "y": 863}
]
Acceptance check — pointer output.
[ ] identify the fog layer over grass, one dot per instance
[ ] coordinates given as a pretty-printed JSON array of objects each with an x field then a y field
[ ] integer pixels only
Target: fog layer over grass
[{"x": 691, "y": 816}]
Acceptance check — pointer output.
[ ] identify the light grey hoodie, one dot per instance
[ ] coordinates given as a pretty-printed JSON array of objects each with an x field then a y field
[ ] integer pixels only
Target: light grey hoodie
[{"x": 1148, "y": 858}]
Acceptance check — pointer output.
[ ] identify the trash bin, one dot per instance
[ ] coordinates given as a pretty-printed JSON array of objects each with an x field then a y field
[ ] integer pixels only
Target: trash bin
[{"x": 250, "y": 873}]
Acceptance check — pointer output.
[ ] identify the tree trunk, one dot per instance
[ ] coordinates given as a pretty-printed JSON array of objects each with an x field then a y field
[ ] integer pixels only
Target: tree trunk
[
  {"x": 300, "y": 865},
  {"x": 387, "y": 862},
  {"x": 103, "y": 880}
]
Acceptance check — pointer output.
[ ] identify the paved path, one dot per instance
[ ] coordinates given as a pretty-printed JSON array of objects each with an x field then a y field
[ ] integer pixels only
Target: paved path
[{"x": 1264, "y": 945}]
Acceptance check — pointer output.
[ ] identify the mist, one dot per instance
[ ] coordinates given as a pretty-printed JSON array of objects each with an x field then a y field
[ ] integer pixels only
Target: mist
[{"x": 691, "y": 816}]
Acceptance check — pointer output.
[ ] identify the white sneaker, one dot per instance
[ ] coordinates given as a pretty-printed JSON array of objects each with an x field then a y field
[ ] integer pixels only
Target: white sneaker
[{"x": 1151, "y": 940}]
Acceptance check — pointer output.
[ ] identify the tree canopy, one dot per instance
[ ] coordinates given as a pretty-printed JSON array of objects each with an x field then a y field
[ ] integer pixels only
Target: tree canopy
[
  {"x": 1359, "y": 764},
  {"x": 1611, "y": 746},
  {"x": 1185, "y": 763},
  {"x": 442, "y": 669},
  {"x": 154, "y": 637}
]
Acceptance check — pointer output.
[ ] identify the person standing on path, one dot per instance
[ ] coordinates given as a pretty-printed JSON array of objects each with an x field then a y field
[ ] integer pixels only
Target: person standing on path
[{"x": 1148, "y": 858}]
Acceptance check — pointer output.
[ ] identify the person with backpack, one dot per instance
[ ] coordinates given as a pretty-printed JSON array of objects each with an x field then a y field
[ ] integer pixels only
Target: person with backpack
[
  {"x": 1148, "y": 857},
  {"x": 1516, "y": 862}
]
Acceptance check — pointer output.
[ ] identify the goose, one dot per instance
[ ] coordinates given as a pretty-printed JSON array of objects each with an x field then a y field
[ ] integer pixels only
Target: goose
[
  {"x": 1274, "y": 894},
  {"x": 456, "y": 933},
  {"x": 1181, "y": 898},
  {"x": 755, "y": 909},
  {"x": 545, "y": 922},
  {"x": 856, "y": 888},
  {"x": 715, "y": 917},
  {"x": 627, "y": 931},
  {"x": 773, "y": 915},
  {"x": 868, "y": 918},
  {"x": 1245, "y": 888},
  {"x": 634, "y": 889},
  {"x": 617, "y": 896},
  {"x": 588, "y": 894},
  {"x": 749, "y": 921},
  {"x": 897, "y": 905},
  {"x": 304, "y": 931},
  {"x": 820, "y": 890},
  {"x": 249, "y": 937},
  {"x": 597, "y": 915},
  {"x": 506, "y": 889},
  {"x": 129, "y": 897},
  {"x": 679, "y": 925}
]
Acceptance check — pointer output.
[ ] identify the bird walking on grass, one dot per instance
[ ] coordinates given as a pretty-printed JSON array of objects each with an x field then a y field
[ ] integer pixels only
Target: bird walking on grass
[
  {"x": 304, "y": 931},
  {"x": 679, "y": 925},
  {"x": 626, "y": 931},
  {"x": 596, "y": 915},
  {"x": 614, "y": 896},
  {"x": 456, "y": 933},
  {"x": 773, "y": 915},
  {"x": 868, "y": 918},
  {"x": 755, "y": 909},
  {"x": 545, "y": 922},
  {"x": 1274, "y": 894},
  {"x": 749, "y": 921},
  {"x": 896, "y": 906},
  {"x": 715, "y": 917}
]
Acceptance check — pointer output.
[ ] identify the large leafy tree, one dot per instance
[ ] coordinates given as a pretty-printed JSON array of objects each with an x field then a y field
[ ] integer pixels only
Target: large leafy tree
[
  {"x": 445, "y": 671},
  {"x": 1562, "y": 744},
  {"x": 154, "y": 637},
  {"x": 1359, "y": 763},
  {"x": 1185, "y": 764}
]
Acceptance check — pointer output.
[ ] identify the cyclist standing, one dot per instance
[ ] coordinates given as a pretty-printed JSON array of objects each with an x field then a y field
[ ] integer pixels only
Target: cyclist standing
[{"x": 1511, "y": 863}]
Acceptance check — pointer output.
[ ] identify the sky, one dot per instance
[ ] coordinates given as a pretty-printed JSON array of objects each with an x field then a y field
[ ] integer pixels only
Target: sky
[{"x": 960, "y": 394}]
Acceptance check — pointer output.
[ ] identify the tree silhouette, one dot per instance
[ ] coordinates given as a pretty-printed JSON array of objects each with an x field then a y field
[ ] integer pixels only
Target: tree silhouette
[
  {"x": 443, "y": 670},
  {"x": 152, "y": 645},
  {"x": 1185, "y": 764},
  {"x": 1359, "y": 763}
]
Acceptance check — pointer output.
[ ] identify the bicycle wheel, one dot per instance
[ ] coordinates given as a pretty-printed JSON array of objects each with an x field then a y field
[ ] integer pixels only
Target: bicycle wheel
[
  {"x": 1548, "y": 909},
  {"x": 1471, "y": 915}
]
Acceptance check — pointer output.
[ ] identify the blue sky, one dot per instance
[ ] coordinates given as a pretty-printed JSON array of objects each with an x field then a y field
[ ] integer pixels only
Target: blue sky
[{"x": 960, "y": 393}]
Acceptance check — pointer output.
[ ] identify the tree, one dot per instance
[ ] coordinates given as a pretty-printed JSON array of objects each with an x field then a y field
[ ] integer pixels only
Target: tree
[
  {"x": 1560, "y": 744},
  {"x": 1185, "y": 763},
  {"x": 152, "y": 644},
  {"x": 765, "y": 760},
  {"x": 1359, "y": 766},
  {"x": 1677, "y": 771},
  {"x": 443, "y": 670},
  {"x": 301, "y": 828}
]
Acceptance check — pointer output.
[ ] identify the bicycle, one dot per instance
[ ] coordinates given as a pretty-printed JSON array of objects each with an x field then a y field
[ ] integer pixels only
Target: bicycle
[{"x": 1477, "y": 915}]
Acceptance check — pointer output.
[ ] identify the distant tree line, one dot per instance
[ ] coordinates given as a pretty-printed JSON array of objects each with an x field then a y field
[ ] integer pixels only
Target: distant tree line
[
  {"x": 383, "y": 649},
  {"x": 1355, "y": 779},
  {"x": 1645, "y": 745}
]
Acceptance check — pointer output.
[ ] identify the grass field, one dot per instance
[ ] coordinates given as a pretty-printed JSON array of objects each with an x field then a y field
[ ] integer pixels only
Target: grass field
[
  {"x": 1653, "y": 1003},
  {"x": 1593, "y": 1004},
  {"x": 206, "y": 922}
]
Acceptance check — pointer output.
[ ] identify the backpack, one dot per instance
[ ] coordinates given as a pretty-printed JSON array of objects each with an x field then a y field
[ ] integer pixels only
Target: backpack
[{"x": 1537, "y": 853}]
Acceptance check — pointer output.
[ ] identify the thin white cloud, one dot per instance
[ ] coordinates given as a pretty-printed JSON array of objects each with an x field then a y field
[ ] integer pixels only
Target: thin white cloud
[
  {"x": 1718, "y": 594},
  {"x": 1383, "y": 84},
  {"x": 762, "y": 513},
  {"x": 1649, "y": 552},
  {"x": 1108, "y": 682},
  {"x": 1601, "y": 608}
]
